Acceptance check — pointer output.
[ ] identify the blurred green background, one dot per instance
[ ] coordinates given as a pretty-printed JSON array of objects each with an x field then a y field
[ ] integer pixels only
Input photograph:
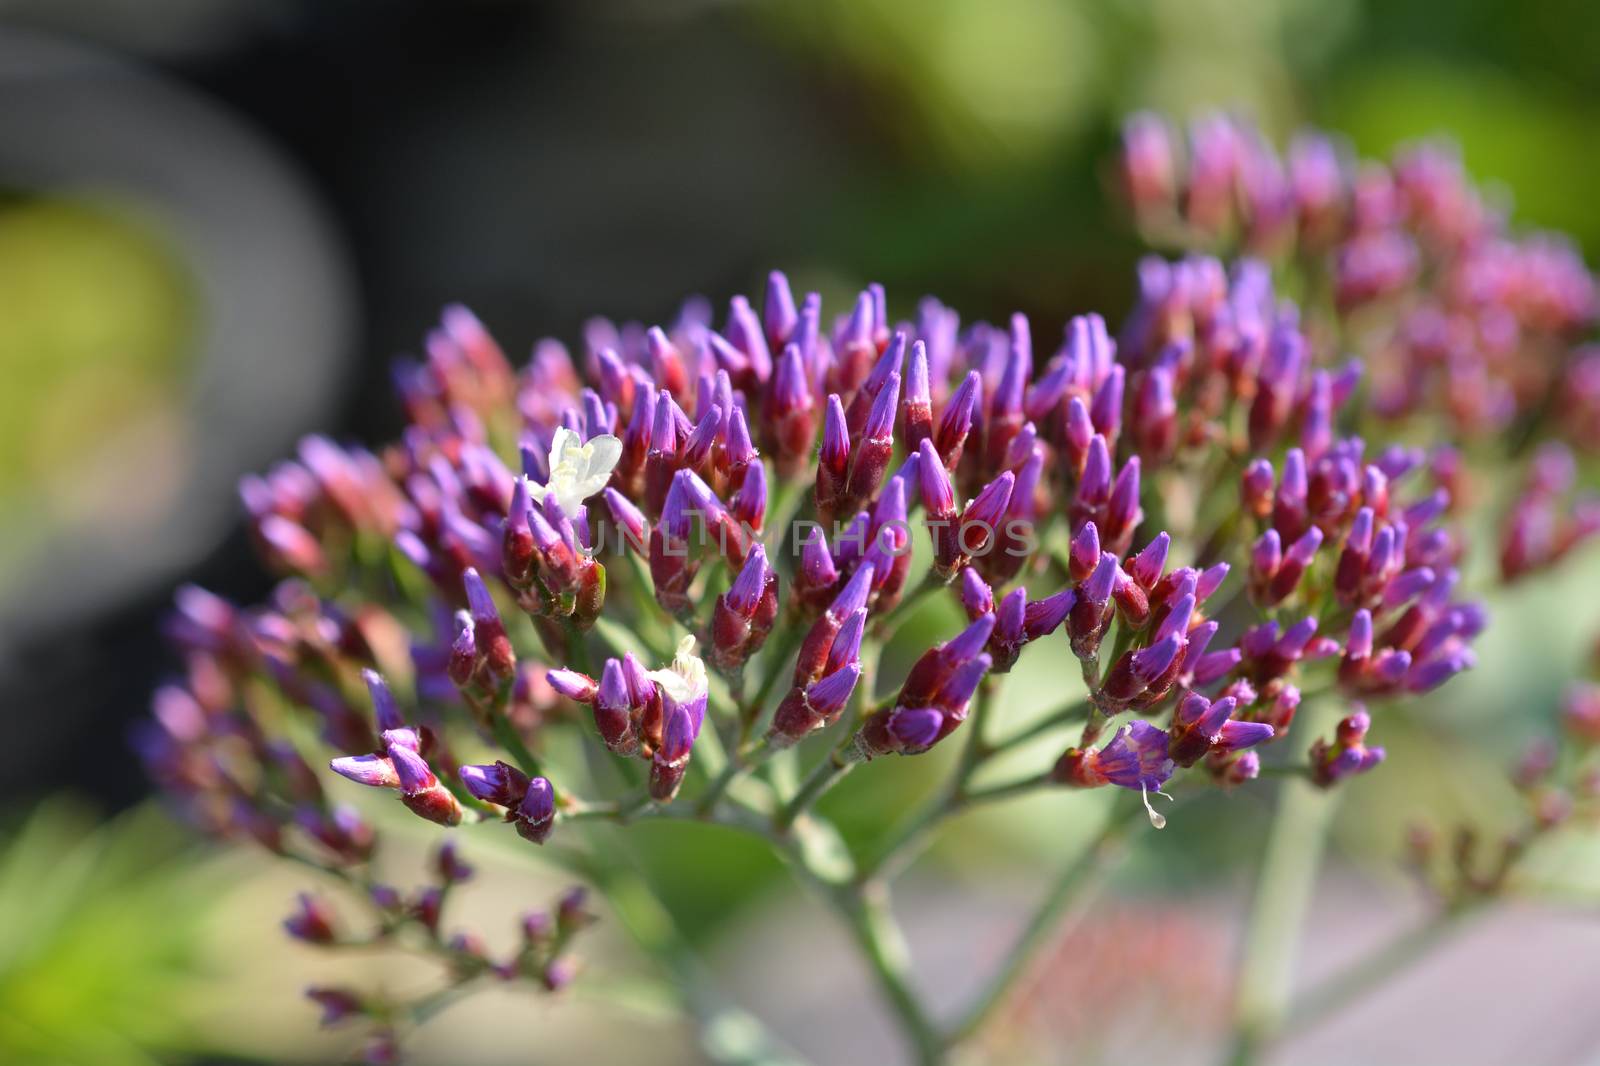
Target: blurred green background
[{"x": 547, "y": 162}]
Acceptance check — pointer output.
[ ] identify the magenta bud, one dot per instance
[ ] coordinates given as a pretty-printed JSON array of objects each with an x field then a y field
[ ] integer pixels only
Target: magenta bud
[{"x": 977, "y": 598}]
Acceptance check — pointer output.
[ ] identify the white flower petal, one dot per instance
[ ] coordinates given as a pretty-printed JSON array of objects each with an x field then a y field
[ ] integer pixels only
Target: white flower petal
[{"x": 686, "y": 678}]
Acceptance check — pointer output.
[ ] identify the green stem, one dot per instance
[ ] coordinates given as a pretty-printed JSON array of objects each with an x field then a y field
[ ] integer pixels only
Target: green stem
[
  {"x": 1282, "y": 898},
  {"x": 1070, "y": 892},
  {"x": 822, "y": 777},
  {"x": 1007, "y": 790},
  {"x": 773, "y": 670},
  {"x": 739, "y": 762},
  {"x": 1073, "y": 712},
  {"x": 866, "y": 910}
]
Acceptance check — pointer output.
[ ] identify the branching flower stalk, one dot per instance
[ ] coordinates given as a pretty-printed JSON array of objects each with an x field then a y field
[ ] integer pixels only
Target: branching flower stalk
[{"x": 704, "y": 523}]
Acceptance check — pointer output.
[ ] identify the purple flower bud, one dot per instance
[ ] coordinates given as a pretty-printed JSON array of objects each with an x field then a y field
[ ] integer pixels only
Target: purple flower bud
[
  {"x": 846, "y": 648},
  {"x": 572, "y": 684},
  {"x": 385, "y": 710},
  {"x": 957, "y": 420},
  {"x": 1084, "y": 552},
  {"x": 537, "y": 811},
  {"x": 1106, "y": 409},
  {"x": 919, "y": 399},
  {"x": 977, "y": 598},
  {"x": 750, "y": 502},
  {"x": 828, "y": 696},
  {"x": 496, "y": 783},
  {"x": 779, "y": 315},
  {"x": 1044, "y": 616},
  {"x": 1146, "y": 567},
  {"x": 375, "y": 771},
  {"x": 917, "y": 728}
]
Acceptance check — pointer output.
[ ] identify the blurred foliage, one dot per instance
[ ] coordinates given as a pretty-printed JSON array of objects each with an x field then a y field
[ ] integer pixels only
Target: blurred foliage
[
  {"x": 94, "y": 337},
  {"x": 99, "y": 928}
]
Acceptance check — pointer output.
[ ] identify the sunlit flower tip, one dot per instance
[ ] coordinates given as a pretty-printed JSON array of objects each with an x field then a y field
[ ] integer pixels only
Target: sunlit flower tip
[
  {"x": 970, "y": 641},
  {"x": 790, "y": 390},
  {"x": 1146, "y": 568},
  {"x": 846, "y": 647},
  {"x": 313, "y": 921},
  {"x": 1152, "y": 662},
  {"x": 1234, "y": 768},
  {"x": 956, "y": 422},
  {"x": 697, "y": 449},
  {"x": 915, "y": 728},
  {"x": 890, "y": 364},
  {"x": 291, "y": 545},
  {"x": 1236, "y": 735},
  {"x": 880, "y": 419},
  {"x": 828, "y": 696},
  {"x": 918, "y": 398},
  {"x": 779, "y": 316},
  {"x": 497, "y": 782},
  {"x": 1431, "y": 673},
  {"x": 1043, "y": 617},
  {"x": 989, "y": 506},
  {"x": 1094, "y": 486},
  {"x": 1084, "y": 552},
  {"x": 1105, "y": 411},
  {"x": 1097, "y": 587},
  {"x": 745, "y": 593},
  {"x": 854, "y": 595},
  {"x": 740, "y": 449},
  {"x": 629, "y": 519},
  {"x": 1266, "y": 555},
  {"x": 1214, "y": 666},
  {"x": 1348, "y": 754},
  {"x": 938, "y": 494},
  {"x": 1255, "y": 488},
  {"x": 375, "y": 771},
  {"x": 572, "y": 684},
  {"x": 954, "y": 695},
  {"x": 1210, "y": 580},
  {"x": 1009, "y": 618},
  {"x": 835, "y": 454},
  {"x": 977, "y": 598},
  {"x": 816, "y": 561},
  {"x": 386, "y": 712},
  {"x": 1079, "y": 432},
  {"x": 538, "y": 802},
  {"x": 750, "y": 502},
  {"x": 478, "y": 599},
  {"x": 1122, "y": 510},
  {"x": 410, "y": 767}
]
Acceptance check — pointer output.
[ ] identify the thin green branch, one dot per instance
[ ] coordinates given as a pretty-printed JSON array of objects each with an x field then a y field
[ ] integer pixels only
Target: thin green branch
[
  {"x": 1070, "y": 891},
  {"x": 823, "y": 777},
  {"x": 1282, "y": 898},
  {"x": 867, "y": 913}
]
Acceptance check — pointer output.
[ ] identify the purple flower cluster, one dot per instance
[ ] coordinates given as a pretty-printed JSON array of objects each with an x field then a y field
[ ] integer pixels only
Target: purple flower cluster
[
  {"x": 750, "y": 493},
  {"x": 1475, "y": 323}
]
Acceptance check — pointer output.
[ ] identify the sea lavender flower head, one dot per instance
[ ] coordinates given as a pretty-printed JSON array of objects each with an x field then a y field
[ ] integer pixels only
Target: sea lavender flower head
[{"x": 1218, "y": 408}]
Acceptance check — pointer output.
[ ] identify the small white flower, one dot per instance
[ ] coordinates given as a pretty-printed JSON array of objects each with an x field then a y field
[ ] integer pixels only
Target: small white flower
[
  {"x": 578, "y": 470},
  {"x": 685, "y": 679}
]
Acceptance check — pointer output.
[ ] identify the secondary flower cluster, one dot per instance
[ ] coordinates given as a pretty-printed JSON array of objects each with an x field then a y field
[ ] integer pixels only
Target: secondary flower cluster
[
  {"x": 1459, "y": 320},
  {"x": 1478, "y": 322},
  {"x": 619, "y": 502}
]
